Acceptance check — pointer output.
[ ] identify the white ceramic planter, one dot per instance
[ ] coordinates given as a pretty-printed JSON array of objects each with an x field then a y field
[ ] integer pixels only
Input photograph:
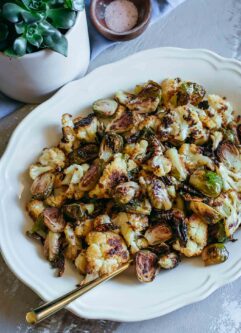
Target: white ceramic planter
[{"x": 34, "y": 77}]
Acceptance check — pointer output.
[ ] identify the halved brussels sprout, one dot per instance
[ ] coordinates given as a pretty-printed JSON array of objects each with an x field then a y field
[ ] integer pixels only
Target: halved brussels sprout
[
  {"x": 214, "y": 254},
  {"x": 146, "y": 265},
  {"x": 111, "y": 144},
  {"x": 158, "y": 195},
  {"x": 169, "y": 261},
  {"x": 125, "y": 192},
  {"x": 229, "y": 155},
  {"x": 42, "y": 185},
  {"x": 91, "y": 177},
  {"x": 175, "y": 218},
  {"x": 105, "y": 107},
  {"x": 123, "y": 121},
  {"x": 207, "y": 182},
  {"x": 158, "y": 234},
  {"x": 53, "y": 219},
  {"x": 77, "y": 211},
  {"x": 217, "y": 233},
  {"x": 84, "y": 153},
  {"x": 190, "y": 92},
  {"x": 207, "y": 213}
]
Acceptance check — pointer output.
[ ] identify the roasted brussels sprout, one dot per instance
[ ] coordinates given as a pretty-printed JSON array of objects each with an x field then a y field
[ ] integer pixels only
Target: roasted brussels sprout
[
  {"x": 207, "y": 213},
  {"x": 239, "y": 132},
  {"x": 207, "y": 182},
  {"x": 91, "y": 177},
  {"x": 111, "y": 144},
  {"x": 125, "y": 192},
  {"x": 229, "y": 155},
  {"x": 158, "y": 194},
  {"x": 122, "y": 122},
  {"x": 78, "y": 211},
  {"x": 158, "y": 234},
  {"x": 214, "y": 254},
  {"x": 35, "y": 208},
  {"x": 217, "y": 233},
  {"x": 42, "y": 185},
  {"x": 169, "y": 261},
  {"x": 146, "y": 265},
  {"x": 84, "y": 153},
  {"x": 53, "y": 219},
  {"x": 190, "y": 92},
  {"x": 175, "y": 218},
  {"x": 105, "y": 107}
]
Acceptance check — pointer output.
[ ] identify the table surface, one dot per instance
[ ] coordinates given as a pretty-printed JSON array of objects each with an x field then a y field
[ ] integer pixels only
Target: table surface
[{"x": 214, "y": 25}]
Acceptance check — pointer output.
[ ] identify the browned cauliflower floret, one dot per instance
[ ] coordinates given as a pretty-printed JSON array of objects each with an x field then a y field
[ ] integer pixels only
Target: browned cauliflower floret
[
  {"x": 137, "y": 151},
  {"x": 106, "y": 252},
  {"x": 193, "y": 157},
  {"x": 86, "y": 128},
  {"x": 197, "y": 237},
  {"x": 67, "y": 142},
  {"x": 131, "y": 226},
  {"x": 158, "y": 163},
  {"x": 84, "y": 227},
  {"x": 114, "y": 173},
  {"x": 53, "y": 157},
  {"x": 220, "y": 110},
  {"x": 181, "y": 124},
  {"x": 178, "y": 169},
  {"x": 74, "y": 244}
]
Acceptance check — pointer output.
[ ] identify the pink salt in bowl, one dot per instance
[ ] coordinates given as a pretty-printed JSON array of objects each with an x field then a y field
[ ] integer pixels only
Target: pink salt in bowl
[{"x": 98, "y": 12}]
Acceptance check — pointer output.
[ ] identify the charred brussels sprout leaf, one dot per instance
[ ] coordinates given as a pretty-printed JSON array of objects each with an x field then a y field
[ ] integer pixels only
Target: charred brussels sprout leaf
[
  {"x": 206, "y": 212},
  {"x": 84, "y": 154},
  {"x": 111, "y": 144},
  {"x": 146, "y": 265},
  {"x": 214, "y": 254},
  {"x": 217, "y": 233},
  {"x": 207, "y": 182},
  {"x": 77, "y": 211},
  {"x": 105, "y": 107},
  {"x": 38, "y": 230}
]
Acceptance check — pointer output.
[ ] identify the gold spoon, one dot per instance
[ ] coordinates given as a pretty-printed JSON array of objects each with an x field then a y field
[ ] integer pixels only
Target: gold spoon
[{"x": 48, "y": 309}]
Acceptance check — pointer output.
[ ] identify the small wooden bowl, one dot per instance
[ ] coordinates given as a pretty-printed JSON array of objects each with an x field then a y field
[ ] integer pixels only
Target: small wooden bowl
[{"x": 97, "y": 14}]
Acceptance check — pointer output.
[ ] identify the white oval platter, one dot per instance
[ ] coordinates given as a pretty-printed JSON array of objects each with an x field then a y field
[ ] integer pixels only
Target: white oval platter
[{"x": 122, "y": 299}]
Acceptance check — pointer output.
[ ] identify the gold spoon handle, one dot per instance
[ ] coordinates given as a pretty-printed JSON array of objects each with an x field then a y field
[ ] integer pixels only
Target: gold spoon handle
[{"x": 48, "y": 309}]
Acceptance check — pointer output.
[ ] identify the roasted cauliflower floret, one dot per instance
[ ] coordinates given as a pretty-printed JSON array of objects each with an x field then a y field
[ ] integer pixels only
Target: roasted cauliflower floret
[
  {"x": 178, "y": 169},
  {"x": 131, "y": 226},
  {"x": 35, "y": 208},
  {"x": 80, "y": 262},
  {"x": 69, "y": 138},
  {"x": 86, "y": 128},
  {"x": 137, "y": 151},
  {"x": 74, "y": 173},
  {"x": 193, "y": 157},
  {"x": 222, "y": 108},
  {"x": 114, "y": 173},
  {"x": 197, "y": 237},
  {"x": 74, "y": 244},
  {"x": 158, "y": 164},
  {"x": 58, "y": 197},
  {"x": 53, "y": 157},
  {"x": 151, "y": 122},
  {"x": 84, "y": 227},
  {"x": 36, "y": 170},
  {"x": 106, "y": 252},
  {"x": 181, "y": 124}
]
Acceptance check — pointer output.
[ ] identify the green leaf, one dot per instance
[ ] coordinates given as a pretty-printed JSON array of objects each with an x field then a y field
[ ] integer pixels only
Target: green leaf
[
  {"x": 34, "y": 36},
  {"x": 10, "y": 53},
  {"x": 77, "y": 5},
  {"x": 35, "y": 5},
  {"x": 3, "y": 32},
  {"x": 12, "y": 12},
  {"x": 20, "y": 27},
  {"x": 57, "y": 43},
  {"x": 31, "y": 17},
  {"x": 62, "y": 18},
  {"x": 19, "y": 46}
]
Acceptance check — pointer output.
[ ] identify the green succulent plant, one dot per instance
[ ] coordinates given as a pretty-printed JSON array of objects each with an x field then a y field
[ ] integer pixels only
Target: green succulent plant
[{"x": 27, "y": 26}]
